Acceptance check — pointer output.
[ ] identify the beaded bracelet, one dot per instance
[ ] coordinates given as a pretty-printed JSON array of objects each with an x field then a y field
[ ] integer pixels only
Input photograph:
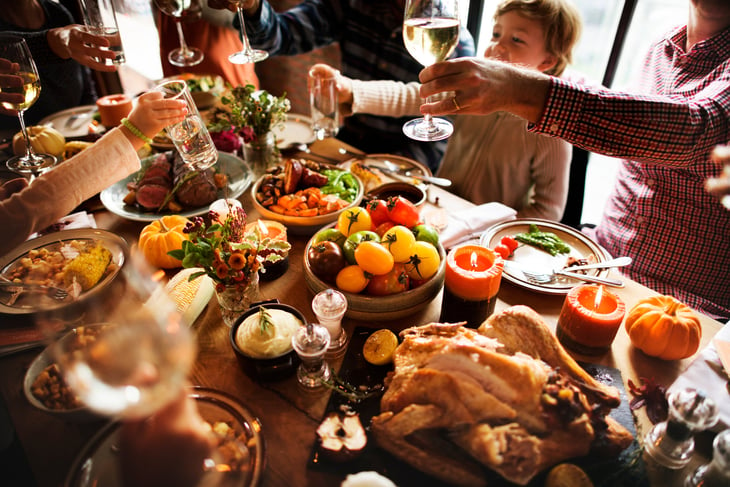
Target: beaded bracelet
[{"x": 135, "y": 131}]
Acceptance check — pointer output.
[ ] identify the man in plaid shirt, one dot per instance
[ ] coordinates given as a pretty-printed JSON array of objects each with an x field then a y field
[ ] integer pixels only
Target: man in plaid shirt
[{"x": 658, "y": 212}]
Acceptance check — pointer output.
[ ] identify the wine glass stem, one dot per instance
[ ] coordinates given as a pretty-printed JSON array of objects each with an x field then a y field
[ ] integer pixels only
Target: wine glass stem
[
  {"x": 183, "y": 45},
  {"x": 28, "y": 148},
  {"x": 428, "y": 121},
  {"x": 244, "y": 37}
]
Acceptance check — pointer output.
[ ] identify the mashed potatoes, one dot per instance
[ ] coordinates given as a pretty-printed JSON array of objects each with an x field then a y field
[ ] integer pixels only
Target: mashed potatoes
[{"x": 268, "y": 340}]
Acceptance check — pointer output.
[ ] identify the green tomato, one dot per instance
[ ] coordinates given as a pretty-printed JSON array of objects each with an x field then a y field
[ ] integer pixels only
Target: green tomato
[
  {"x": 330, "y": 234},
  {"x": 348, "y": 248},
  {"x": 427, "y": 233}
]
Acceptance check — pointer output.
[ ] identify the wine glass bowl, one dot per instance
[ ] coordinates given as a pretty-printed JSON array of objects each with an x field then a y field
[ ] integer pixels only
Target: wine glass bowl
[
  {"x": 430, "y": 34},
  {"x": 178, "y": 10},
  {"x": 20, "y": 88},
  {"x": 247, "y": 54}
]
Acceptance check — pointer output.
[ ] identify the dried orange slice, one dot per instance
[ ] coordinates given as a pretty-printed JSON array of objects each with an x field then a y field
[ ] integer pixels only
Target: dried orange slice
[{"x": 379, "y": 347}]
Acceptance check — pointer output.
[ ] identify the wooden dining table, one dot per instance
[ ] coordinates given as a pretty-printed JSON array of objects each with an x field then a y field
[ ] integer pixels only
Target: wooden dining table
[{"x": 289, "y": 415}]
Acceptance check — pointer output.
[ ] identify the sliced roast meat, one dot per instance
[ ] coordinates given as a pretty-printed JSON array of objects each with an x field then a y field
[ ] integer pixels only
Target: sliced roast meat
[{"x": 151, "y": 196}]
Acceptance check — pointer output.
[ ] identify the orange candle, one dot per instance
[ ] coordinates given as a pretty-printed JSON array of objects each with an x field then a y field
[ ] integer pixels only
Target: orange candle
[
  {"x": 471, "y": 282},
  {"x": 113, "y": 108},
  {"x": 275, "y": 231},
  {"x": 590, "y": 318}
]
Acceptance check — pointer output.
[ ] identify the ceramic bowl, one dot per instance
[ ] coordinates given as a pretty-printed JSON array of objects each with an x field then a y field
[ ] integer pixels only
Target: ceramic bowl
[
  {"x": 382, "y": 308},
  {"x": 411, "y": 192},
  {"x": 268, "y": 369},
  {"x": 302, "y": 225},
  {"x": 43, "y": 360}
]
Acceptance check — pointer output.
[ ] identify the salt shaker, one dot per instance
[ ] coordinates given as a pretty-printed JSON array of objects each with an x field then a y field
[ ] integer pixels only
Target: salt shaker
[
  {"x": 671, "y": 443},
  {"x": 717, "y": 472},
  {"x": 311, "y": 342},
  {"x": 330, "y": 306}
]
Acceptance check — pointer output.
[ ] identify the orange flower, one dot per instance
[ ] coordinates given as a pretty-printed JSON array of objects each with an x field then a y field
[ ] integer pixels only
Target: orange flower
[
  {"x": 221, "y": 271},
  {"x": 237, "y": 260}
]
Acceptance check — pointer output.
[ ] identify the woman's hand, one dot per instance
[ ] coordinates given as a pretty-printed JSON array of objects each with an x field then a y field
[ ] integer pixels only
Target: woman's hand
[
  {"x": 720, "y": 186},
  {"x": 73, "y": 41},
  {"x": 9, "y": 79}
]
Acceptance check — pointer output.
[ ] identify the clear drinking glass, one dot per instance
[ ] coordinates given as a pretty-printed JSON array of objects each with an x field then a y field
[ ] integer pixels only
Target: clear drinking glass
[
  {"x": 322, "y": 87},
  {"x": 101, "y": 19},
  {"x": 330, "y": 306},
  {"x": 20, "y": 87},
  {"x": 190, "y": 137},
  {"x": 178, "y": 10},
  {"x": 247, "y": 54},
  {"x": 430, "y": 34}
]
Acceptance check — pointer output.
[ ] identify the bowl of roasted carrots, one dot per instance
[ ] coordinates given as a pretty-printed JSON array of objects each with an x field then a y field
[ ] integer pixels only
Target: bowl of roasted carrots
[{"x": 305, "y": 195}]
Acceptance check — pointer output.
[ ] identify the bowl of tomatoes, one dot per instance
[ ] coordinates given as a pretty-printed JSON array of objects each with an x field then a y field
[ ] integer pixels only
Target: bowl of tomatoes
[
  {"x": 305, "y": 195},
  {"x": 382, "y": 257}
]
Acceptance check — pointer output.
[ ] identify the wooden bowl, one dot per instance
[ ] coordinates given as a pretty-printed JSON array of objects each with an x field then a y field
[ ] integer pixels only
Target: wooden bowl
[
  {"x": 382, "y": 308},
  {"x": 411, "y": 192}
]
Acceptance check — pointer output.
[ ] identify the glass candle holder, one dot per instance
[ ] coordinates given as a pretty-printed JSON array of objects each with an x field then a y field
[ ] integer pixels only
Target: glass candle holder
[
  {"x": 311, "y": 342},
  {"x": 330, "y": 306}
]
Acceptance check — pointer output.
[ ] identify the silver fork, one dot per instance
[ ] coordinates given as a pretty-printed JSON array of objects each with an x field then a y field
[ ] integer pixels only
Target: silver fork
[
  {"x": 15, "y": 289},
  {"x": 545, "y": 278}
]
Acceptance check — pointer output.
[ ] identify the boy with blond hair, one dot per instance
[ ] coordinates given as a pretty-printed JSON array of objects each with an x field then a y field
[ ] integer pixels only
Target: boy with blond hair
[{"x": 494, "y": 157}]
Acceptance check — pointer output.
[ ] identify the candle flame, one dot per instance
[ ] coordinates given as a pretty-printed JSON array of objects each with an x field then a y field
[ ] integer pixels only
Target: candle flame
[
  {"x": 473, "y": 260},
  {"x": 262, "y": 228},
  {"x": 599, "y": 297}
]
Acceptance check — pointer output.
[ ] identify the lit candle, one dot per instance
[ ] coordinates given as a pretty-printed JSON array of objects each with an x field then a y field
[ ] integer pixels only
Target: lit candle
[
  {"x": 471, "y": 283},
  {"x": 590, "y": 318},
  {"x": 275, "y": 231},
  {"x": 112, "y": 109}
]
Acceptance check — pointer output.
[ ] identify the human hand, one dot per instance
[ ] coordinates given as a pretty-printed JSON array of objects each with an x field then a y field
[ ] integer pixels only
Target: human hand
[
  {"x": 153, "y": 113},
  {"x": 483, "y": 86},
  {"x": 166, "y": 449},
  {"x": 249, "y": 6},
  {"x": 720, "y": 186},
  {"x": 343, "y": 86},
  {"x": 8, "y": 79},
  {"x": 73, "y": 41}
]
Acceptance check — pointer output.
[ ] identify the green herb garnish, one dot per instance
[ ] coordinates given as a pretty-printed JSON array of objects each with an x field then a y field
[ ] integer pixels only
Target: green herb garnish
[
  {"x": 264, "y": 319},
  {"x": 547, "y": 241},
  {"x": 352, "y": 393}
]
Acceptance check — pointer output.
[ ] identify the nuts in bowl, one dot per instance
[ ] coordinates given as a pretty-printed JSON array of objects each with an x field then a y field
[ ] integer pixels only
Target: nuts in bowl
[{"x": 305, "y": 195}]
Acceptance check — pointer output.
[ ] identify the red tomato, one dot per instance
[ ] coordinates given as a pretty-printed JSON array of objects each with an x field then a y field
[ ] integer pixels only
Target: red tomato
[
  {"x": 403, "y": 212},
  {"x": 395, "y": 281},
  {"x": 378, "y": 210},
  {"x": 383, "y": 228},
  {"x": 502, "y": 250},
  {"x": 510, "y": 242}
]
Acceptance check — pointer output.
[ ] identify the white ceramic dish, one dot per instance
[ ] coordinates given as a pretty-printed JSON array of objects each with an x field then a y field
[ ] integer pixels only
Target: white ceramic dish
[
  {"x": 401, "y": 164},
  {"x": 98, "y": 462},
  {"x": 532, "y": 258},
  {"x": 114, "y": 243},
  {"x": 239, "y": 178},
  {"x": 73, "y": 122},
  {"x": 297, "y": 129},
  {"x": 299, "y": 225}
]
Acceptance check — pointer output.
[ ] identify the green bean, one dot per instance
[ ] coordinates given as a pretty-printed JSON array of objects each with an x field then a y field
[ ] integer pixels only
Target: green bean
[{"x": 546, "y": 241}]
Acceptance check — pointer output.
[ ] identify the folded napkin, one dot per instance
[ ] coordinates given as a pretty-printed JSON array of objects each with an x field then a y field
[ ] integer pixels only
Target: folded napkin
[
  {"x": 706, "y": 373},
  {"x": 80, "y": 219},
  {"x": 469, "y": 224}
]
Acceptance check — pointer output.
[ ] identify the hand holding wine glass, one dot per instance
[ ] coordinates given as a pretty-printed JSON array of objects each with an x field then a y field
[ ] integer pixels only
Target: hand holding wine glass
[
  {"x": 430, "y": 34},
  {"x": 247, "y": 54},
  {"x": 20, "y": 77},
  {"x": 178, "y": 10}
]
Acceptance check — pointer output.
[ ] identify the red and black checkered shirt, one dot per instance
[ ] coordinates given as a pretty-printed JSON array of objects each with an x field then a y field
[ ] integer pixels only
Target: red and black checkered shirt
[{"x": 658, "y": 212}]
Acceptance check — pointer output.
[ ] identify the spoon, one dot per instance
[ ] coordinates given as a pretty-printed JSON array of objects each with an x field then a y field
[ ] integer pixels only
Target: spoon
[{"x": 426, "y": 179}]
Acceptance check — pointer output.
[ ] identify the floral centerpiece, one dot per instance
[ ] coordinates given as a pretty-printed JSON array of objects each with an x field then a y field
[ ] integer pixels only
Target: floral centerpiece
[
  {"x": 231, "y": 257},
  {"x": 249, "y": 113}
]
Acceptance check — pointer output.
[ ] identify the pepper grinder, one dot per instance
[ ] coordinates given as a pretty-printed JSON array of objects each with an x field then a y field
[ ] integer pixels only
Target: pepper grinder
[
  {"x": 311, "y": 342},
  {"x": 717, "y": 472},
  {"x": 330, "y": 307},
  {"x": 671, "y": 443}
]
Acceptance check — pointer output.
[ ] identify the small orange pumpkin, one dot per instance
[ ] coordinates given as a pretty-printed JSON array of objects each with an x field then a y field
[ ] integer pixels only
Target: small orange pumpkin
[
  {"x": 161, "y": 236},
  {"x": 663, "y": 327}
]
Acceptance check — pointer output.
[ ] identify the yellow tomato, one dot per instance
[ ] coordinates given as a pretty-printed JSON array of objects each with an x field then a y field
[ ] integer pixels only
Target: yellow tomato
[
  {"x": 351, "y": 279},
  {"x": 373, "y": 258},
  {"x": 354, "y": 220},
  {"x": 423, "y": 262},
  {"x": 399, "y": 240}
]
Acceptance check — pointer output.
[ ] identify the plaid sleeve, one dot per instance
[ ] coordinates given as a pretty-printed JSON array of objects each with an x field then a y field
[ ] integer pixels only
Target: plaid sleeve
[{"x": 652, "y": 128}]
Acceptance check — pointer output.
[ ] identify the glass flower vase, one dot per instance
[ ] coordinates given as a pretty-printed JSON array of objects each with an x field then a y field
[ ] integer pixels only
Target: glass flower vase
[
  {"x": 261, "y": 154},
  {"x": 235, "y": 299}
]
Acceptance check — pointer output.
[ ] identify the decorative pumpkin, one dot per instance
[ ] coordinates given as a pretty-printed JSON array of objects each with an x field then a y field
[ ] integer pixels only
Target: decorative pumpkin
[
  {"x": 161, "y": 236},
  {"x": 45, "y": 140},
  {"x": 663, "y": 327}
]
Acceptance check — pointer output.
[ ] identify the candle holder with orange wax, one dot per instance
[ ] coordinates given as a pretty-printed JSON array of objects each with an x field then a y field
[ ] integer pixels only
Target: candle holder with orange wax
[
  {"x": 589, "y": 320},
  {"x": 113, "y": 108},
  {"x": 471, "y": 283},
  {"x": 275, "y": 231}
]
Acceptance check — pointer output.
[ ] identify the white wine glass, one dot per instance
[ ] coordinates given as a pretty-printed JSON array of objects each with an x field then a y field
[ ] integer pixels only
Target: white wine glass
[
  {"x": 20, "y": 87},
  {"x": 247, "y": 54},
  {"x": 178, "y": 9},
  {"x": 430, "y": 34}
]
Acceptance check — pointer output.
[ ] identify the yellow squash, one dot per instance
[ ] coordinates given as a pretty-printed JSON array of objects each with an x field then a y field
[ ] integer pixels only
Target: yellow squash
[
  {"x": 663, "y": 327},
  {"x": 160, "y": 237},
  {"x": 44, "y": 140}
]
